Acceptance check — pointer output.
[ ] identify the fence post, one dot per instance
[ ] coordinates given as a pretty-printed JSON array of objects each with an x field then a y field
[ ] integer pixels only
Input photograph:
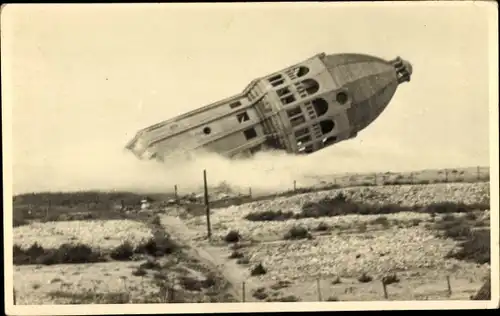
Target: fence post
[
  {"x": 250, "y": 191},
  {"x": 384, "y": 286},
  {"x": 318, "y": 283},
  {"x": 374, "y": 179},
  {"x": 445, "y": 175},
  {"x": 294, "y": 185},
  {"x": 176, "y": 196},
  {"x": 207, "y": 206},
  {"x": 48, "y": 210},
  {"x": 449, "y": 285},
  {"x": 412, "y": 179},
  {"x": 243, "y": 292}
]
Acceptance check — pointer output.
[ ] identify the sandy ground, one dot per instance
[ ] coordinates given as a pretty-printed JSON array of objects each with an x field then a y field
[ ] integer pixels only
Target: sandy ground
[
  {"x": 33, "y": 283},
  {"x": 325, "y": 268}
]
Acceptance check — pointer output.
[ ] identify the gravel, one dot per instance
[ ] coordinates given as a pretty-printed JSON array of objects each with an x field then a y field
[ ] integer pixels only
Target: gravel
[{"x": 394, "y": 248}]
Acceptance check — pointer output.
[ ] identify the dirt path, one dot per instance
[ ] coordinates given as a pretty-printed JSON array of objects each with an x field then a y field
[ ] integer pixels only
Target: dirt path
[{"x": 212, "y": 256}]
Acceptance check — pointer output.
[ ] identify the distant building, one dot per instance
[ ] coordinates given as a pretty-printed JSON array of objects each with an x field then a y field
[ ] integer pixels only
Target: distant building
[{"x": 300, "y": 109}]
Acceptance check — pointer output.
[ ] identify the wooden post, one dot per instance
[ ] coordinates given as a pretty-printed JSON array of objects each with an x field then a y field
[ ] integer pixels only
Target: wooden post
[
  {"x": 411, "y": 178},
  {"x": 14, "y": 297},
  {"x": 243, "y": 292},
  {"x": 175, "y": 194},
  {"x": 318, "y": 283},
  {"x": 171, "y": 294},
  {"x": 207, "y": 206},
  {"x": 250, "y": 191},
  {"x": 445, "y": 175},
  {"x": 122, "y": 203},
  {"x": 48, "y": 210},
  {"x": 374, "y": 179},
  {"x": 384, "y": 286},
  {"x": 294, "y": 185},
  {"x": 449, "y": 284}
]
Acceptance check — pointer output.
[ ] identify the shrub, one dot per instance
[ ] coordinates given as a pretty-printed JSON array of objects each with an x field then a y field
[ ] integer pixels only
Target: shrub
[
  {"x": 365, "y": 278},
  {"x": 236, "y": 255},
  {"x": 475, "y": 249},
  {"x": 243, "y": 261},
  {"x": 232, "y": 237},
  {"x": 297, "y": 232},
  {"x": 260, "y": 293},
  {"x": 258, "y": 270},
  {"x": 289, "y": 298},
  {"x": 78, "y": 253},
  {"x": 382, "y": 220},
  {"x": 151, "y": 265},
  {"x": 210, "y": 280},
  {"x": 322, "y": 227},
  {"x": 139, "y": 272},
  {"x": 157, "y": 246},
  {"x": 155, "y": 220},
  {"x": 123, "y": 252},
  {"x": 390, "y": 279},
  {"x": 484, "y": 292},
  {"x": 269, "y": 216},
  {"x": 336, "y": 280},
  {"x": 190, "y": 284}
]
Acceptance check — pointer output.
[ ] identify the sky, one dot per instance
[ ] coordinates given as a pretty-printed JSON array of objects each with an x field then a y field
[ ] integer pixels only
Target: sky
[{"x": 81, "y": 80}]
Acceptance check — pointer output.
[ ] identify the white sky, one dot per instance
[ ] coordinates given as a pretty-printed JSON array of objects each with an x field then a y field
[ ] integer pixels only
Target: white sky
[{"x": 82, "y": 79}]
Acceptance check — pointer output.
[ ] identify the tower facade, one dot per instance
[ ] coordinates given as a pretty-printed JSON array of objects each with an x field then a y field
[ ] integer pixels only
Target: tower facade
[{"x": 300, "y": 109}]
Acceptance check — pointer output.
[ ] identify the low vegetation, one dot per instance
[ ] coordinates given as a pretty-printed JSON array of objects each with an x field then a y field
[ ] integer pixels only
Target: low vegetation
[
  {"x": 79, "y": 253},
  {"x": 340, "y": 205}
]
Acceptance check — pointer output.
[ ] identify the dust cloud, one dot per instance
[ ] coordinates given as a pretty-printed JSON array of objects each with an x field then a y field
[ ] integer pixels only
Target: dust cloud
[{"x": 105, "y": 167}]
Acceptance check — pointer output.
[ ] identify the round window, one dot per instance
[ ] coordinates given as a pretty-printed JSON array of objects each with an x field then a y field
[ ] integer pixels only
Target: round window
[
  {"x": 342, "y": 97},
  {"x": 207, "y": 130}
]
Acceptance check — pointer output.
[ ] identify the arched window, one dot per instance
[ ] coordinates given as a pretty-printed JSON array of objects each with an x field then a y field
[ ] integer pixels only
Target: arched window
[
  {"x": 301, "y": 71},
  {"x": 311, "y": 86},
  {"x": 326, "y": 126},
  {"x": 320, "y": 106}
]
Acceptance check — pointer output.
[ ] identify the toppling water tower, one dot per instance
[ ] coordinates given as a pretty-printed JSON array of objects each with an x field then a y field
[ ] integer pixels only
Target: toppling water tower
[{"x": 301, "y": 109}]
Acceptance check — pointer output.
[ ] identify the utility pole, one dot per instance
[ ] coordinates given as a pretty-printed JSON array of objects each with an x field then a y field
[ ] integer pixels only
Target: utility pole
[{"x": 207, "y": 206}]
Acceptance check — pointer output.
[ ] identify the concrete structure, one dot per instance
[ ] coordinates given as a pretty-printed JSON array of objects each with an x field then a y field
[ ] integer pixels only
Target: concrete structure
[{"x": 301, "y": 109}]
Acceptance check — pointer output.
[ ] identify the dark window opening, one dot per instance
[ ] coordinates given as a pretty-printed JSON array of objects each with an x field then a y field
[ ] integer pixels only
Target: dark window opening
[
  {"x": 309, "y": 149},
  {"x": 207, "y": 130},
  {"x": 250, "y": 133},
  {"x": 301, "y": 71},
  {"x": 278, "y": 83},
  {"x": 311, "y": 86},
  {"x": 243, "y": 117},
  {"x": 297, "y": 121},
  {"x": 306, "y": 150},
  {"x": 301, "y": 132},
  {"x": 341, "y": 97},
  {"x": 294, "y": 111},
  {"x": 304, "y": 139},
  {"x": 276, "y": 80},
  {"x": 320, "y": 106},
  {"x": 235, "y": 104},
  {"x": 326, "y": 126},
  {"x": 287, "y": 100},
  {"x": 329, "y": 140},
  {"x": 283, "y": 91}
]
